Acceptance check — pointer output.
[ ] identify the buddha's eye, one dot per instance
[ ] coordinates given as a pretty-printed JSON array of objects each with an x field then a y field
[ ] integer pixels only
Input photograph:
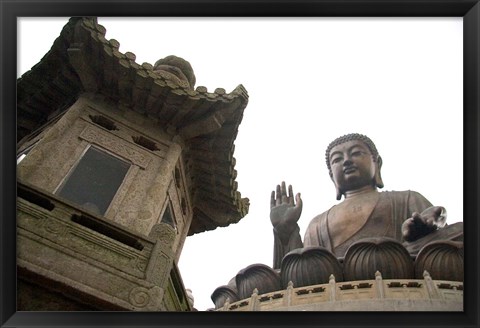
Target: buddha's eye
[
  {"x": 357, "y": 153},
  {"x": 336, "y": 159}
]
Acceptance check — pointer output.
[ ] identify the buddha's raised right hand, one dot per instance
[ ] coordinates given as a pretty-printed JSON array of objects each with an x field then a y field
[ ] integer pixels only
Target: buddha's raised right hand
[{"x": 285, "y": 210}]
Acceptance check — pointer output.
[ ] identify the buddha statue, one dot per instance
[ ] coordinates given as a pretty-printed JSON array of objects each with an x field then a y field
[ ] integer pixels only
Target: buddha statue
[
  {"x": 354, "y": 166},
  {"x": 370, "y": 234}
]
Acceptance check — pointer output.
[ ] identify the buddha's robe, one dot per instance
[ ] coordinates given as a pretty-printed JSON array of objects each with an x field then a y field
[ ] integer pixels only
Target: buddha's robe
[{"x": 386, "y": 219}]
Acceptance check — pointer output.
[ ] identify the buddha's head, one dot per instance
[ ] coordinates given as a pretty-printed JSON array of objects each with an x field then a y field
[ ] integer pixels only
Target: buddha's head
[{"x": 353, "y": 162}]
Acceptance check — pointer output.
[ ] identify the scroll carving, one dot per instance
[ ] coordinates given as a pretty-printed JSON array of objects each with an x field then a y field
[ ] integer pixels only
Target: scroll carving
[{"x": 139, "y": 297}]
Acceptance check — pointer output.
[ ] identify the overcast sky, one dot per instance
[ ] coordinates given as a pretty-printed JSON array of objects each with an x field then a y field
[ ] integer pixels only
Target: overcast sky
[{"x": 310, "y": 80}]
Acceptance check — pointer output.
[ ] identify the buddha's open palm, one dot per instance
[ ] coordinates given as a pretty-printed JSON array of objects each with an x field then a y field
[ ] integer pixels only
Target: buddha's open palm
[{"x": 285, "y": 209}]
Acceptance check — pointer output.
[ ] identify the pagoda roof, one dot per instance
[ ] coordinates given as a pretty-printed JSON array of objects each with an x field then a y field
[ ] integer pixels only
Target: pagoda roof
[{"x": 81, "y": 60}]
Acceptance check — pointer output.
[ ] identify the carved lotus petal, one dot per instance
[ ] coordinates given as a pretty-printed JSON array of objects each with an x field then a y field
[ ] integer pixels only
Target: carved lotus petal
[
  {"x": 222, "y": 293},
  {"x": 366, "y": 256},
  {"x": 443, "y": 259},
  {"x": 309, "y": 266},
  {"x": 258, "y": 276}
]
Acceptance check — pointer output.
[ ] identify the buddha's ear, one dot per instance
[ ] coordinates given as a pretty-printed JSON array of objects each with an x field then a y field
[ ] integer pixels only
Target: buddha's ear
[
  {"x": 338, "y": 191},
  {"x": 378, "y": 175}
]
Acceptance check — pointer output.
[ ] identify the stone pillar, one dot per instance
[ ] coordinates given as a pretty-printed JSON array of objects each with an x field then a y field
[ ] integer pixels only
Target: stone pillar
[
  {"x": 430, "y": 285},
  {"x": 254, "y": 301},
  {"x": 379, "y": 285},
  {"x": 226, "y": 305},
  {"x": 41, "y": 166},
  {"x": 287, "y": 297},
  {"x": 157, "y": 192},
  {"x": 333, "y": 290},
  {"x": 161, "y": 260}
]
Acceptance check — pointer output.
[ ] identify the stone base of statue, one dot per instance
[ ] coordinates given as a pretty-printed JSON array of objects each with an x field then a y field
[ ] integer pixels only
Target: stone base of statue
[
  {"x": 376, "y": 274},
  {"x": 362, "y": 295}
]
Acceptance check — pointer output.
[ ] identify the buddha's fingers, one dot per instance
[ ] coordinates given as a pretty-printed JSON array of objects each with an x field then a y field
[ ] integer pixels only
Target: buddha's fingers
[
  {"x": 284, "y": 193},
  {"x": 279, "y": 198},
  {"x": 290, "y": 195}
]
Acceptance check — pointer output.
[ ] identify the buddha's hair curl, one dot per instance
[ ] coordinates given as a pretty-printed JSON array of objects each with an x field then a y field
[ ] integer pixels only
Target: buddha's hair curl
[{"x": 350, "y": 137}]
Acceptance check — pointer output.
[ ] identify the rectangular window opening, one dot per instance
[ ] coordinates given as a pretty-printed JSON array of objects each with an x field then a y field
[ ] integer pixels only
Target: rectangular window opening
[{"x": 94, "y": 181}]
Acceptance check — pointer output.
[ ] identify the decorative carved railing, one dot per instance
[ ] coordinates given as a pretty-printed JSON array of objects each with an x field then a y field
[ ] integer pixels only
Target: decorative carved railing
[
  {"x": 375, "y": 294},
  {"x": 94, "y": 260}
]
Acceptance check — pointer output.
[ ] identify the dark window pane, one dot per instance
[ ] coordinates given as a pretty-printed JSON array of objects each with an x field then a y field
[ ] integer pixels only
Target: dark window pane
[
  {"x": 95, "y": 180},
  {"x": 168, "y": 217}
]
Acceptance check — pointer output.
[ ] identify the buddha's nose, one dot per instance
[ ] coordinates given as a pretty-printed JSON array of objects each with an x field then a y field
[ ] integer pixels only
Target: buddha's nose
[{"x": 347, "y": 162}]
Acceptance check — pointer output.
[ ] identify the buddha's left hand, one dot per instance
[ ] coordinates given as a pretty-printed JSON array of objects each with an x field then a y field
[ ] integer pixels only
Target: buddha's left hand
[{"x": 422, "y": 224}]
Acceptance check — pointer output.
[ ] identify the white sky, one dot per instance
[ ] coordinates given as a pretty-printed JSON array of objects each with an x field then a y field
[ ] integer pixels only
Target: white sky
[{"x": 310, "y": 80}]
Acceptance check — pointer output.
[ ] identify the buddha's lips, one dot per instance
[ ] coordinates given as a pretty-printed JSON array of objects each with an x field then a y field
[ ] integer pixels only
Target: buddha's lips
[{"x": 349, "y": 169}]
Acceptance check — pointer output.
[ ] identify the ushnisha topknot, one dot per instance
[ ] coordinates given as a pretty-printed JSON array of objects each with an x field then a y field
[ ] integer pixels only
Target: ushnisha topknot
[{"x": 349, "y": 137}]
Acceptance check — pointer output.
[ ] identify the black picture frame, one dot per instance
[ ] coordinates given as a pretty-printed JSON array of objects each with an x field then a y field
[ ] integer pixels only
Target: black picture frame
[{"x": 10, "y": 10}]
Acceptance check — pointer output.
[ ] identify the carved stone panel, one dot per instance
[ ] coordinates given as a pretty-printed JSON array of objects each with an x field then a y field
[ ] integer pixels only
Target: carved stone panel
[{"x": 116, "y": 145}]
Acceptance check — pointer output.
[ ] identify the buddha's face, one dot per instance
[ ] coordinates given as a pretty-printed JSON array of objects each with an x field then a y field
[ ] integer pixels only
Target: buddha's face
[{"x": 352, "y": 165}]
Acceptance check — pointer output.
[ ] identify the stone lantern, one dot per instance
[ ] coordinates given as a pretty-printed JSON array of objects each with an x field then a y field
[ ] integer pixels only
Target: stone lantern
[{"x": 118, "y": 162}]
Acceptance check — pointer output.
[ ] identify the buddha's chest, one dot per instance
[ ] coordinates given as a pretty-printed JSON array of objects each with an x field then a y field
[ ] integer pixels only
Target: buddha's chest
[{"x": 347, "y": 218}]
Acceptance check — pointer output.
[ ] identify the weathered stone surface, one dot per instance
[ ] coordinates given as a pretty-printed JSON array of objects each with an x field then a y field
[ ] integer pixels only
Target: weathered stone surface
[
  {"x": 32, "y": 297},
  {"x": 114, "y": 268}
]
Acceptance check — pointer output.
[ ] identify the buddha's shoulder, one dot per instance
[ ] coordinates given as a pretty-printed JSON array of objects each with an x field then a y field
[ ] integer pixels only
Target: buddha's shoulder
[
  {"x": 402, "y": 193},
  {"x": 319, "y": 218}
]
